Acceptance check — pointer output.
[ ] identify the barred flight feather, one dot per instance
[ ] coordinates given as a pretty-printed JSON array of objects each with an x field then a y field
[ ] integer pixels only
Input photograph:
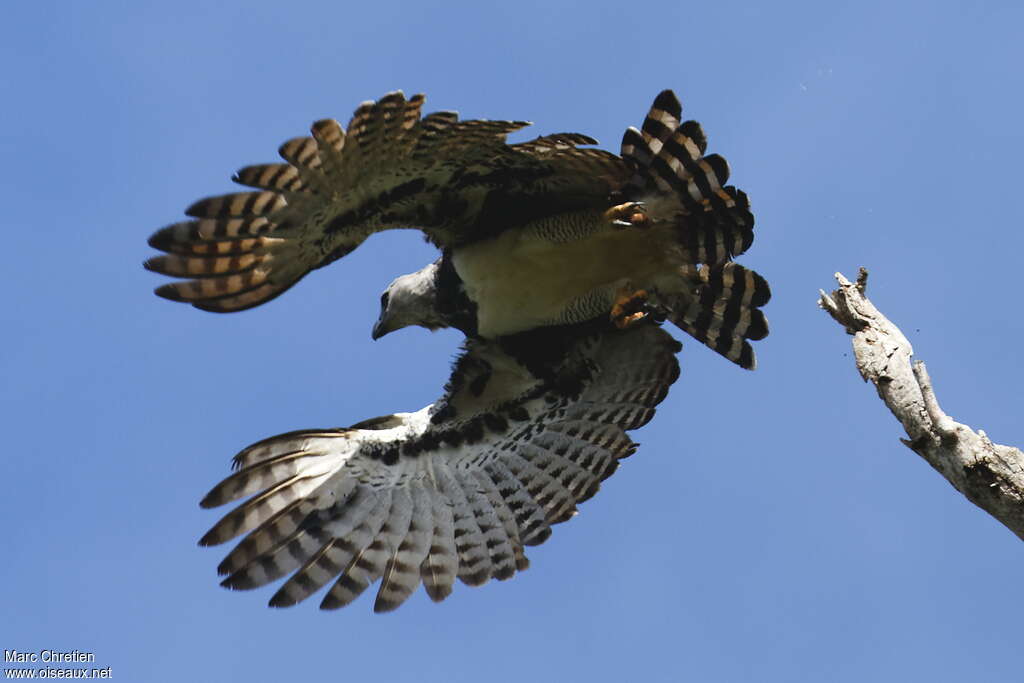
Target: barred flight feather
[
  {"x": 557, "y": 501},
  {"x": 398, "y": 526},
  {"x": 328, "y": 506},
  {"x": 260, "y": 475},
  {"x": 580, "y": 483},
  {"x": 262, "y": 507},
  {"x": 343, "y": 554},
  {"x": 533, "y": 527},
  {"x": 279, "y": 548},
  {"x": 441, "y": 564},
  {"x": 588, "y": 462},
  {"x": 504, "y": 513},
  {"x": 607, "y": 437},
  {"x": 365, "y": 568},
  {"x": 495, "y": 542},
  {"x": 287, "y": 556},
  {"x": 474, "y": 560},
  {"x": 330, "y": 141},
  {"x": 302, "y": 153},
  {"x": 402, "y": 575},
  {"x": 283, "y": 178},
  {"x": 264, "y": 542}
]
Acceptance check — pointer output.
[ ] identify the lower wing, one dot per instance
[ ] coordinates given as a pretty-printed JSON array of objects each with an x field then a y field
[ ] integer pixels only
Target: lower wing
[{"x": 524, "y": 432}]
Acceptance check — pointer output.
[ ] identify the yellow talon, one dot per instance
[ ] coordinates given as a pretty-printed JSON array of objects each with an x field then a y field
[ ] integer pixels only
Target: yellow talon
[
  {"x": 628, "y": 308},
  {"x": 628, "y": 215}
]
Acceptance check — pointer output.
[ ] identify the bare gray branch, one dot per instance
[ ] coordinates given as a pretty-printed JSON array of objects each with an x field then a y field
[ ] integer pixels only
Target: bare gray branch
[{"x": 990, "y": 475}]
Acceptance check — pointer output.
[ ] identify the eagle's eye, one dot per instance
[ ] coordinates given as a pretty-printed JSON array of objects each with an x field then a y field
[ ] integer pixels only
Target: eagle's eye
[{"x": 384, "y": 301}]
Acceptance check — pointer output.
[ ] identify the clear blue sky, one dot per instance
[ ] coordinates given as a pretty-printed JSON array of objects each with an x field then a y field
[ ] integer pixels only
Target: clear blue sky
[{"x": 770, "y": 528}]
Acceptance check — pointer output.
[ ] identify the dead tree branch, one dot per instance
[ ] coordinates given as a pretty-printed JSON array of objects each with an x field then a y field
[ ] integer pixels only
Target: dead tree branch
[{"x": 990, "y": 475}]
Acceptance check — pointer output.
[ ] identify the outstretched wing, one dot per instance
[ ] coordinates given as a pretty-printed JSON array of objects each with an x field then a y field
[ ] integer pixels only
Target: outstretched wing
[
  {"x": 455, "y": 180},
  {"x": 527, "y": 428}
]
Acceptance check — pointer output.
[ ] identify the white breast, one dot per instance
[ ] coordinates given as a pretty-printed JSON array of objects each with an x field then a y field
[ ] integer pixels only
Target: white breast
[{"x": 519, "y": 283}]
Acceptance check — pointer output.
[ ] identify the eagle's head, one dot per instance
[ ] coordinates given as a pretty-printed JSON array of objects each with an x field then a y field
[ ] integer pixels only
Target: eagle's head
[{"x": 410, "y": 300}]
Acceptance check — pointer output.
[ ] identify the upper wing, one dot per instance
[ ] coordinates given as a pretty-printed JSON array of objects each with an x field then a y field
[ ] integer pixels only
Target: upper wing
[
  {"x": 453, "y": 179},
  {"x": 526, "y": 429}
]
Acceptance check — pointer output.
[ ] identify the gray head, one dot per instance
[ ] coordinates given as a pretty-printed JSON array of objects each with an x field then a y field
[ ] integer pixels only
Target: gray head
[{"x": 410, "y": 300}]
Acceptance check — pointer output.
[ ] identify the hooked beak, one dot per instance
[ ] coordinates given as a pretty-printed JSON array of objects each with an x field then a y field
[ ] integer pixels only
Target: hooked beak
[{"x": 379, "y": 329}]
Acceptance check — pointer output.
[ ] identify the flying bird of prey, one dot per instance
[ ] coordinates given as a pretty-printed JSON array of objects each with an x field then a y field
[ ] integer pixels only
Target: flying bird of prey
[{"x": 558, "y": 262}]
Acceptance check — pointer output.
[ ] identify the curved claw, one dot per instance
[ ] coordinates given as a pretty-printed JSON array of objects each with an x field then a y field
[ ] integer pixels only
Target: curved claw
[
  {"x": 628, "y": 215},
  {"x": 631, "y": 307}
]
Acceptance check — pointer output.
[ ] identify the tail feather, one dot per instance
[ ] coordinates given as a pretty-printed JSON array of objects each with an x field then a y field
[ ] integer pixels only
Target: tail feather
[
  {"x": 668, "y": 158},
  {"x": 723, "y": 310},
  {"x": 714, "y": 237},
  {"x": 663, "y": 118},
  {"x": 692, "y": 131}
]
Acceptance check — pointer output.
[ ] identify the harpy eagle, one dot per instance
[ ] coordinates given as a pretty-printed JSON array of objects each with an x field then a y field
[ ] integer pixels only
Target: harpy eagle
[{"x": 557, "y": 262}]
